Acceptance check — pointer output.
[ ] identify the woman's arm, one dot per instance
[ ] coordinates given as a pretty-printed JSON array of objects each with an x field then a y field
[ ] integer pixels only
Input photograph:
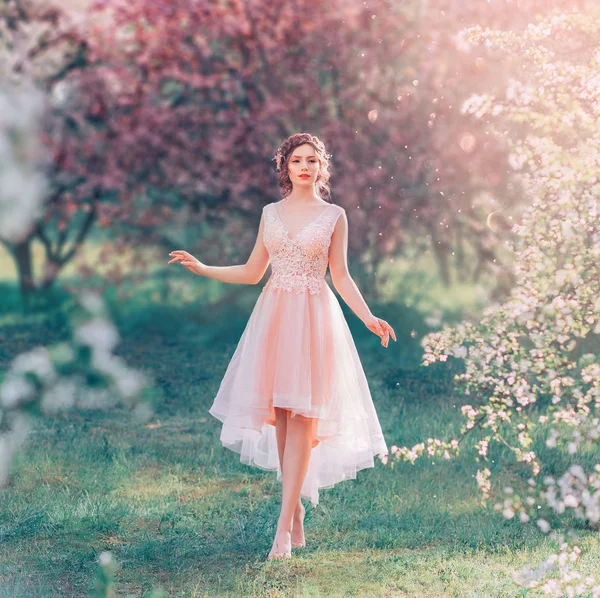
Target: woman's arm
[
  {"x": 345, "y": 285},
  {"x": 338, "y": 267},
  {"x": 249, "y": 273}
]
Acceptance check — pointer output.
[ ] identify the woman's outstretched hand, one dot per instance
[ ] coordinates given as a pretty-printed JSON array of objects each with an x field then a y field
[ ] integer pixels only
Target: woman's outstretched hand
[
  {"x": 187, "y": 260},
  {"x": 381, "y": 328}
]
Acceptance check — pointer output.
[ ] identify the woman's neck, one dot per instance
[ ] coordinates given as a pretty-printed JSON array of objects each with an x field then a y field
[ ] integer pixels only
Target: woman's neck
[{"x": 303, "y": 196}]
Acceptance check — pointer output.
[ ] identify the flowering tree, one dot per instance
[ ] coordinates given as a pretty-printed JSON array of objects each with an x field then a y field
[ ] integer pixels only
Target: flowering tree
[
  {"x": 532, "y": 362},
  {"x": 80, "y": 374},
  {"x": 167, "y": 112},
  {"x": 206, "y": 109},
  {"x": 40, "y": 46},
  {"x": 143, "y": 132}
]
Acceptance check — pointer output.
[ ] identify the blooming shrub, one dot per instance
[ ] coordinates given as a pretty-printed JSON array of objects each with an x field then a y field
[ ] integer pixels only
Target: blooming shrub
[{"x": 531, "y": 362}]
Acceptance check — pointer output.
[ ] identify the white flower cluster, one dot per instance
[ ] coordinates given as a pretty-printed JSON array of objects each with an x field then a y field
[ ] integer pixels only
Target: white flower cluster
[
  {"x": 22, "y": 185},
  {"x": 55, "y": 379},
  {"x": 575, "y": 490}
]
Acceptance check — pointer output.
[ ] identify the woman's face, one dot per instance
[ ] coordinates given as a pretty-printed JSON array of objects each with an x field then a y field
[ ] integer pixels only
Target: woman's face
[{"x": 303, "y": 165}]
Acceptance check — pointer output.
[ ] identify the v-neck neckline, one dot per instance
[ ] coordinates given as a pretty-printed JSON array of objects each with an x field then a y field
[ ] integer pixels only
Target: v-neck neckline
[{"x": 287, "y": 233}]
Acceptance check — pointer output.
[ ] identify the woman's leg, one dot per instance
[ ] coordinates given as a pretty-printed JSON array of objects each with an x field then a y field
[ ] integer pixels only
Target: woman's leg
[
  {"x": 296, "y": 458},
  {"x": 281, "y": 418}
]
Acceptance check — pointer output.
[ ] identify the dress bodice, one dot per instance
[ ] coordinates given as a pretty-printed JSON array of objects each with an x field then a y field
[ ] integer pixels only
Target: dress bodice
[{"x": 299, "y": 264}]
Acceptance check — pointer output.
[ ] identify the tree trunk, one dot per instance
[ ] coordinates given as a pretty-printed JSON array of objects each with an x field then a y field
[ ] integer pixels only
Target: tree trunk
[
  {"x": 441, "y": 251},
  {"x": 461, "y": 268},
  {"x": 22, "y": 254}
]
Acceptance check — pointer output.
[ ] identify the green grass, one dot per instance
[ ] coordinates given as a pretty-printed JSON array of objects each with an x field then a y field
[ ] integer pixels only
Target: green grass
[{"x": 179, "y": 511}]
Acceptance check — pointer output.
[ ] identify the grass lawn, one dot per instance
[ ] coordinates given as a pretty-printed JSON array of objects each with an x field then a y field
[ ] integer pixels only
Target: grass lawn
[{"x": 178, "y": 510}]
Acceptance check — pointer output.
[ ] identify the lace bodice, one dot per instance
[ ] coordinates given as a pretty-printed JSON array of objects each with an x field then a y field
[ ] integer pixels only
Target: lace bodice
[{"x": 299, "y": 264}]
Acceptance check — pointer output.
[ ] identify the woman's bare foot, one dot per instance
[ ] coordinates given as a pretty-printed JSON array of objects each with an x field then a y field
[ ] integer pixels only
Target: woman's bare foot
[
  {"x": 282, "y": 547},
  {"x": 298, "y": 527}
]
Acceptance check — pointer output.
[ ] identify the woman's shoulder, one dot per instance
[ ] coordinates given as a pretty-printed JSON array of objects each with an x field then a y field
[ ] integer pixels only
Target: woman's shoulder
[
  {"x": 272, "y": 203},
  {"x": 337, "y": 210}
]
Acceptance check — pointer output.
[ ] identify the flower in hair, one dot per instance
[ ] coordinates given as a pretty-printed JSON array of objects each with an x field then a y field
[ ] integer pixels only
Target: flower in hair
[{"x": 278, "y": 160}]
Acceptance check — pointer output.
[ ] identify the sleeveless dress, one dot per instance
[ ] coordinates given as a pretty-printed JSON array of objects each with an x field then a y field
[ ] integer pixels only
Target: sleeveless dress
[{"x": 297, "y": 352}]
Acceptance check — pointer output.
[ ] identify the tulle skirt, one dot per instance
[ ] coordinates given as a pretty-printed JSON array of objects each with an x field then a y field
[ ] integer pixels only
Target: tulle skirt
[{"x": 297, "y": 352}]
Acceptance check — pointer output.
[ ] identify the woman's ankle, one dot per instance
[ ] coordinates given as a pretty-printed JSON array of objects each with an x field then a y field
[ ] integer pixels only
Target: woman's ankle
[{"x": 281, "y": 530}]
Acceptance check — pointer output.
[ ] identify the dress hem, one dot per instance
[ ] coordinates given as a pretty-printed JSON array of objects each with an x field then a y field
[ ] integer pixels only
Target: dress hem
[{"x": 249, "y": 444}]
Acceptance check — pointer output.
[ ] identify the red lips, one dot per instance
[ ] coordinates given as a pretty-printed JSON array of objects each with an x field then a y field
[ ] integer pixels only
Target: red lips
[{"x": 304, "y": 176}]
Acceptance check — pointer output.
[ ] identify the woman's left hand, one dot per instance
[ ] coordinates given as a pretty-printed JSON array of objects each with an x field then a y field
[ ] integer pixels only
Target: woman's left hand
[{"x": 381, "y": 328}]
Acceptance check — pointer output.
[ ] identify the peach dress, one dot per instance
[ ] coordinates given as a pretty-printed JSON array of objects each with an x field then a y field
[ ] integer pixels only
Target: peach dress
[{"x": 297, "y": 352}]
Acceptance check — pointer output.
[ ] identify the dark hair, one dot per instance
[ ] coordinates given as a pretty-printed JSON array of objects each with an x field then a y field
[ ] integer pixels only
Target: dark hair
[{"x": 284, "y": 152}]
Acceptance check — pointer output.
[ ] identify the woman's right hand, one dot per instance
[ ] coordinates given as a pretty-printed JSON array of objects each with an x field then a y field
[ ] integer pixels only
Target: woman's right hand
[{"x": 187, "y": 260}]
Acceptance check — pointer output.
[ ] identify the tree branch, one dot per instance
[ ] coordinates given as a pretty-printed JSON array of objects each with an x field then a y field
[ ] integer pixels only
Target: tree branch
[{"x": 83, "y": 232}]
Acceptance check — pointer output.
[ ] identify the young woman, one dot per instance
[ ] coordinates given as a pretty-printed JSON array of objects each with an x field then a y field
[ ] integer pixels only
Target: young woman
[{"x": 295, "y": 398}]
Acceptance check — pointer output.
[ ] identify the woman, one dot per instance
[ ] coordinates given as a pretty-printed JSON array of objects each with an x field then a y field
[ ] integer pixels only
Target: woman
[{"x": 294, "y": 397}]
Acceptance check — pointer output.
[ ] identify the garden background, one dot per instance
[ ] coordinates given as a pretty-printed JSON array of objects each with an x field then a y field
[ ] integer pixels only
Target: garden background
[{"x": 464, "y": 143}]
